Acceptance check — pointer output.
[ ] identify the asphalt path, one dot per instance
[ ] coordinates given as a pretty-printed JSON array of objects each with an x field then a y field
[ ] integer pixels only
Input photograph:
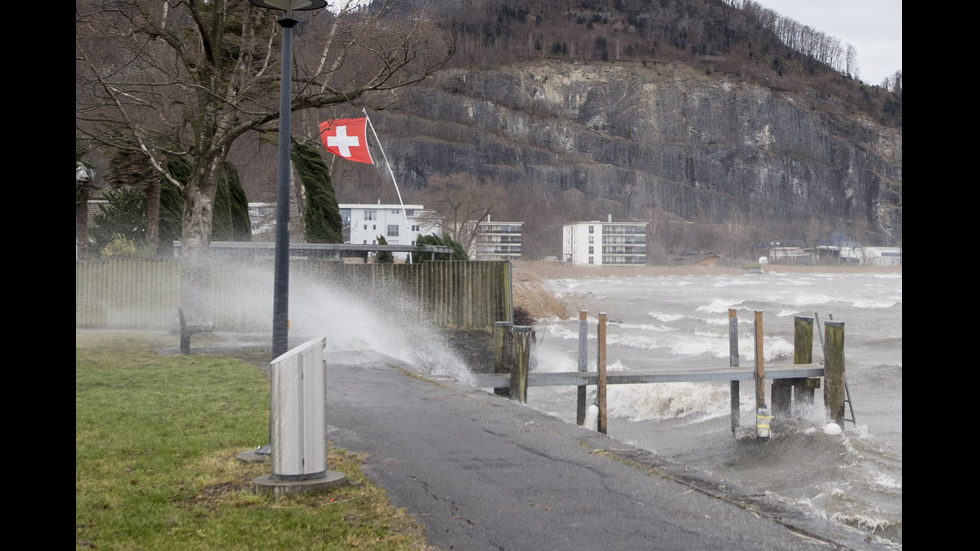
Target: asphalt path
[{"x": 482, "y": 472}]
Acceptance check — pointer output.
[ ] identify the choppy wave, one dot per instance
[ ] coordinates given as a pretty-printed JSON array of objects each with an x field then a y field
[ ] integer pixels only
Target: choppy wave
[
  {"x": 664, "y": 317},
  {"x": 873, "y": 304},
  {"x": 720, "y": 306},
  {"x": 855, "y": 479},
  {"x": 667, "y": 401}
]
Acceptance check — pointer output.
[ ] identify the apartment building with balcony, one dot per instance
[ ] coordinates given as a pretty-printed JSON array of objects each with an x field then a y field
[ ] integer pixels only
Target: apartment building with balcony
[
  {"x": 605, "y": 243},
  {"x": 497, "y": 241}
]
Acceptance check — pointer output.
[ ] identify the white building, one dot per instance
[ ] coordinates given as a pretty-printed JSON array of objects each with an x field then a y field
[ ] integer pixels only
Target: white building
[
  {"x": 872, "y": 256},
  {"x": 497, "y": 241},
  {"x": 399, "y": 225},
  {"x": 605, "y": 243}
]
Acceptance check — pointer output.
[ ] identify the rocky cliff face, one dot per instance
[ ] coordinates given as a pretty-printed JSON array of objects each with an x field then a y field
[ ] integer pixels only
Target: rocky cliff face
[{"x": 628, "y": 140}]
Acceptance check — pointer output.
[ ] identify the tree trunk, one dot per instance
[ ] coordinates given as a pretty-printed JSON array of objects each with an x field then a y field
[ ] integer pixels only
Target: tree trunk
[
  {"x": 195, "y": 240},
  {"x": 153, "y": 214}
]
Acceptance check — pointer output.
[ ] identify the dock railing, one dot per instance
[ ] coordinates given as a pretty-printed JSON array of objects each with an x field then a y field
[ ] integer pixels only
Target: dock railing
[{"x": 799, "y": 379}]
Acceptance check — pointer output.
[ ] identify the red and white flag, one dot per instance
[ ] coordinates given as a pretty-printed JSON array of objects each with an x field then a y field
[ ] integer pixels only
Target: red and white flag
[{"x": 346, "y": 138}]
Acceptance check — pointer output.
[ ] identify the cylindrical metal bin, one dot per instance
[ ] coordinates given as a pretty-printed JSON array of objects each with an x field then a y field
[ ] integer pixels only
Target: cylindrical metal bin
[{"x": 298, "y": 403}]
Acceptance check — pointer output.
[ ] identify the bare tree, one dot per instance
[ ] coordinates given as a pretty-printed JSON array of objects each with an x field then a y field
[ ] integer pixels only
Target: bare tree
[
  {"x": 851, "y": 64},
  {"x": 463, "y": 202},
  {"x": 735, "y": 234},
  {"x": 188, "y": 78},
  {"x": 664, "y": 228}
]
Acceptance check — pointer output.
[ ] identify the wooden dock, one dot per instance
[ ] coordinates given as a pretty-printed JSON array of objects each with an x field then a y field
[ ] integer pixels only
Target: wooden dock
[
  {"x": 512, "y": 375},
  {"x": 575, "y": 378}
]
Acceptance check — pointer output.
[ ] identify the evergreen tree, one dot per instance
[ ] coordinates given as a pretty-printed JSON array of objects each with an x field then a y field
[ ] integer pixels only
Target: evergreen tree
[
  {"x": 321, "y": 218},
  {"x": 129, "y": 168},
  {"x": 171, "y": 211},
  {"x": 384, "y": 257},
  {"x": 172, "y": 203},
  {"x": 231, "y": 221},
  {"x": 446, "y": 241},
  {"x": 122, "y": 217}
]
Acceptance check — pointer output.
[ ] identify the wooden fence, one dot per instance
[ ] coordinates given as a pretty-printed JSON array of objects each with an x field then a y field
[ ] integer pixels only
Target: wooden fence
[{"x": 145, "y": 294}]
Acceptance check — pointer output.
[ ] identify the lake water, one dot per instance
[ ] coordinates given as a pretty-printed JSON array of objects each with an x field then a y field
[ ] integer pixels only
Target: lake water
[
  {"x": 679, "y": 322},
  {"x": 676, "y": 322}
]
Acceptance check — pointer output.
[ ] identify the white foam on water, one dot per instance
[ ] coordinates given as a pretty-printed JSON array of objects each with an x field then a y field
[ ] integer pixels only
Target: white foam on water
[
  {"x": 667, "y": 401},
  {"x": 854, "y": 477}
]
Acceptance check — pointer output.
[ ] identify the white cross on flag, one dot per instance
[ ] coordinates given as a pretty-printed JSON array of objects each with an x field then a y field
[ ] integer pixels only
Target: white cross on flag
[{"x": 346, "y": 138}]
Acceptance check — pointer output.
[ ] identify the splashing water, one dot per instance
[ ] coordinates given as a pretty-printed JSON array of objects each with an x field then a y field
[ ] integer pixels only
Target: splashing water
[
  {"x": 384, "y": 321},
  {"x": 680, "y": 322}
]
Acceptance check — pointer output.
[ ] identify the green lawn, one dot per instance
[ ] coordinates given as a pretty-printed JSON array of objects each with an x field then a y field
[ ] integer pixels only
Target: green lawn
[{"x": 156, "y": 439}]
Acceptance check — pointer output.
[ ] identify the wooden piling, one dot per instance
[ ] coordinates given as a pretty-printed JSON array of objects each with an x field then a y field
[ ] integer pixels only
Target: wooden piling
[
  {"x": 733, "y": 362},
  {"x": 583, "y": 359},
  {"x": 835, "y": 392},
  {"x": 601, "y": 360},
  {"x": 782, "y": 389},
  {"x": 782, "y": 398},
  {"x": 502, "y": 352},
  {"x": 760, "y": 370},
  {"x": 803, "y": 354},
  {"x": 522, "y": 363}
]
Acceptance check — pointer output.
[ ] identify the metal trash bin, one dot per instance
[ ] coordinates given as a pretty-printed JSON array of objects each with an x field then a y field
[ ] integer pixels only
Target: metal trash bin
[{"x": 298, "y": 418}]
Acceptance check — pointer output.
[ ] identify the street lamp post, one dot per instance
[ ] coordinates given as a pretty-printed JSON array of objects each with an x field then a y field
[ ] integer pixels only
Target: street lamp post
[{"x": 280, "y": 304}]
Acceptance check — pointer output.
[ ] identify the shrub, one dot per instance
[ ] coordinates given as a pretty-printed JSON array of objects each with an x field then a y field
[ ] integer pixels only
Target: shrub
[
  {"x": 120, "y": 247},
  {"x": 523, "y": 317}
]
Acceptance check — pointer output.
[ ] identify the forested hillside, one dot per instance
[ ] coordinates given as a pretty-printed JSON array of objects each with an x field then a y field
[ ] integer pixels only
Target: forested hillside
[
  {"x": 686, "y": 111},
  {"x": 738, "y": 38},
  {"x": 701, "y": 117}
]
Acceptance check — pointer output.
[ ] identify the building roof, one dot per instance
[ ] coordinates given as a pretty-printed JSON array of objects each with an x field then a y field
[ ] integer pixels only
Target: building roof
[
  {"x": 690, "y": 258},
  {"x": 377, "y": 206}
]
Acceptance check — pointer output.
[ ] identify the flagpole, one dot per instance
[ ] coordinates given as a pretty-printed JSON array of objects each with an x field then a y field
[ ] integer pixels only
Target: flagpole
[{"x": 391, "y": 172}]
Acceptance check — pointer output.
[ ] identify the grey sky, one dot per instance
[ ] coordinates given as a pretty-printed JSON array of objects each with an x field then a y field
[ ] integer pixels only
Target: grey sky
[{"x": 873, "y": 27}]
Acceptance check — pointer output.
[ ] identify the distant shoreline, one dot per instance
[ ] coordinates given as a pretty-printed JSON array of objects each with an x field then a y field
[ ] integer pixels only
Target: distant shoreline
[
  {"x": 549, "y": 269},
  {"x": 532, "y": 295}
]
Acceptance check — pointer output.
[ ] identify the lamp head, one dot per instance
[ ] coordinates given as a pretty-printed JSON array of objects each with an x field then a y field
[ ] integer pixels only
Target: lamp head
[{"x": 290, "y": 6}]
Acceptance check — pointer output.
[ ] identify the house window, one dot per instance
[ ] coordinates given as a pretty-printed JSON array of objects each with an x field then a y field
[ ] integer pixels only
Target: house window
[
  {"x": 365, "y": 226},
  {"x": 591, "y": 261},
  {"x": 591, "y": 229},
  {"x": 591, "y": 249},
  {"x": 392, "y": 230},
  {"x": 591, "y": 239},
  {"x": 369, "y": 215},
  {"x": 415, "y": 227}
]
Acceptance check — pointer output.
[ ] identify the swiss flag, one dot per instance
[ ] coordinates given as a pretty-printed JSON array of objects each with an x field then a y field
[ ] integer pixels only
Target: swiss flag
[{"x": 346, "y": 138}]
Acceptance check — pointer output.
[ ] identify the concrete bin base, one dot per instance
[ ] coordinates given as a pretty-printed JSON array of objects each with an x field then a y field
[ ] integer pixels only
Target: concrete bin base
[{"x": 266, "y": 484}]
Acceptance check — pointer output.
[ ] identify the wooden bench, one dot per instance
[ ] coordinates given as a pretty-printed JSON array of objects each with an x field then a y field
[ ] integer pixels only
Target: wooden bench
[{"x": 187, "y": 330}]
